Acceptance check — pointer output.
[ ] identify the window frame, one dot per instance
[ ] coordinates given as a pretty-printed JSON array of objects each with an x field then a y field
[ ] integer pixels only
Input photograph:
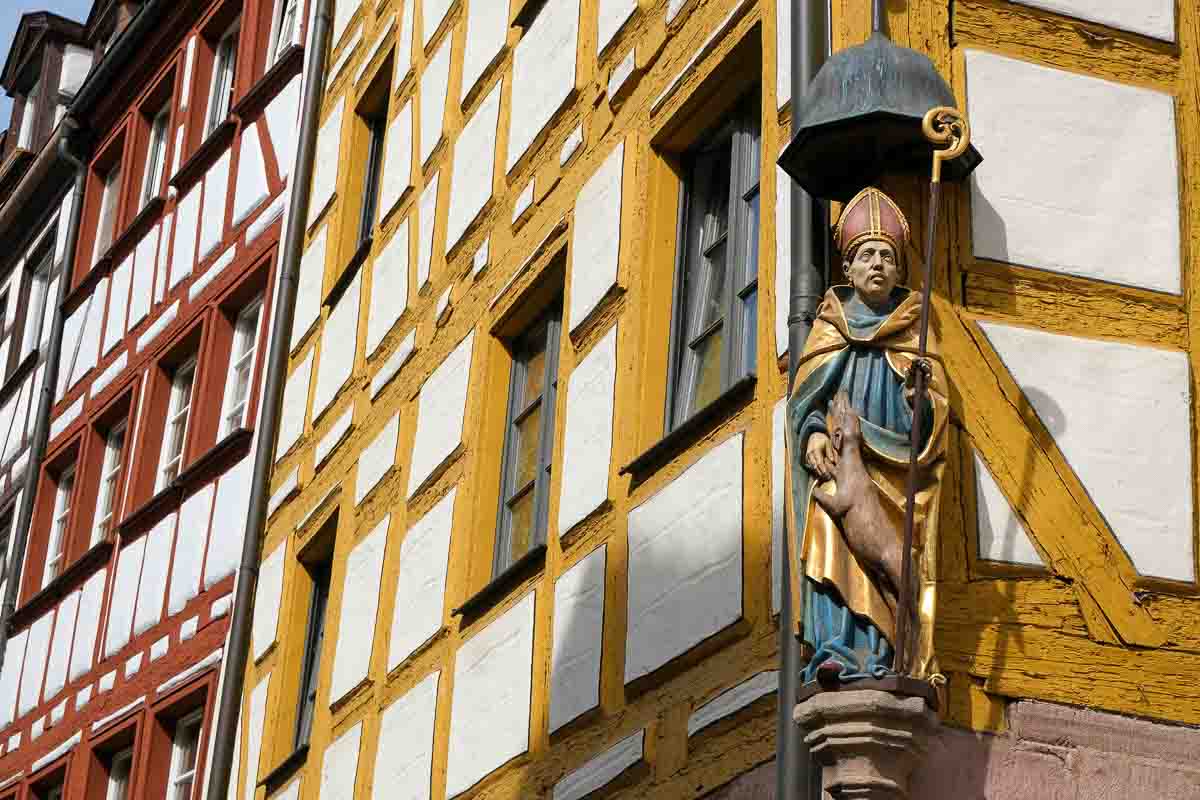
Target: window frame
[
  {"x": 58, "y": 543},
  {"x": 174, "y": 410},
  {"x": 114, "y": 468},
  {"x": 192, "y": 721},
  {"x": 108, "y": 210},
  {"x": 321, "y": 576},
  {"x": 739, "y": 131},
  {"x": 376, "y": 125},
  {"x": 125, "y": 756},
  {"x": 39, "y": 280},
  {"x": 27, "y": 133},
  {"x": 248, "y": 360},
  {"x": 224, "y": 64},
  {"x": 547, "y": 328},
  {"x": 279, "y": 44},
  {"x": 156, "y": 155}
]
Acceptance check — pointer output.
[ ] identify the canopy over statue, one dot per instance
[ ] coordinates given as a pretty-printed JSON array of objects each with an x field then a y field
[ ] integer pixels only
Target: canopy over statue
[{"x": 850, "y": 420}]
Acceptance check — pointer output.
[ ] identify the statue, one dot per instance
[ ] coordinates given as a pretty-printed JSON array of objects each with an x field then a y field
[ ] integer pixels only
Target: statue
[{"x": 849, "y": 422}]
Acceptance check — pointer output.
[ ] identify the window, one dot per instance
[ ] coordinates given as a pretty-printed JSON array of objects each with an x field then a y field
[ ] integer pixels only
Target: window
[
  {"x": 56, "y": 549},
  {"x": 119, "y": 772},
  {"x": 106, "y": 224},
  {"x": 287, "y": 29},
  {"x": 184, "y": 749},
  {"x": 175, "y": 435},
  {"x": 7, "y": 517},
  {"x": 39, "y": 291},
  {"x": 110, "y": 483},
  {"x": 313, "y": 641},
  {"x": 241, "y": 367},
  {"x": 28, "y": 117},
  {"x": 377, "y": 129},
  {"x": 52, "y": 792},
  {"x": 220, "y": 97},
  {"x": 716, "y": 285},
  {"x": 529, "y": 442},
  {"x": 156, "y": 156}
]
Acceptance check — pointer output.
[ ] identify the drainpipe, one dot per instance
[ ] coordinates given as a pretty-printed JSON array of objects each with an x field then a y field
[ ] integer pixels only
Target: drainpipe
[
  {"x": 808, "y": 224},
  {"x": 237, "y": 649},
  {"x": 41, "y": 427}
]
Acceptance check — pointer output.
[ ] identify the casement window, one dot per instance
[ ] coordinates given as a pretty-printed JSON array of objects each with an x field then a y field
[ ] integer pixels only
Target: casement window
[
  {"x": 175, "y": 433},
  {"x": 716, "y": 281},
  {"x": 529, "y": 442},
  {"x": 110, "y": 483},
  {"x": 156, "y": 156},
  {"x": 185, "y": 747},
  {"x": 377, "y": 130},
  {"x": 39, "y": 297},
  {"x": 56, "y": 548},
  {"x": 106, "y": 223},
  {"x": 313, "y": 641},
  {"x": 286, "y": 30},
  {"x": 120, "y": 772},
  {"x": 241, "y": 366},
  {"x": 52, "y": 792},
  {"x": 220, "y": 97},
  {"x": 29, "y": 118}
]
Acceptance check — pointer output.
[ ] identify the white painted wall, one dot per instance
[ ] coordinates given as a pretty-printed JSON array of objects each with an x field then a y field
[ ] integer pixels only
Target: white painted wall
[
  {"x": 1154, "y": 18},
  {"x": 578, "y": 639},
  {"x": 228, "y": 522},
  {"x": 124, "y": 596},
  {"x": 489, "y": 717},
  {"x": 87, "y": 628},
  {"x": 142, "y": 281},
  {"x": 397, "y": 160},
  {"x": 283, "y": 115},
  {"x": 191, "y": 536},
  {"x": 421, "y": 588},
  {"x": 733, "y": 700},
  {"x": 338, "y": 343},
  {"x": 404, "y": 763},
  {"x": 389, "y": 287},
  {"x": 251, "y": 188},
  {"x": 268, "y": 594},
  {"x": 295, "y": 405},
  {"x": 474, "y": 159},
  {"x": 432, "y": 14},
  {"x": 153, "y": 585},
  {"x": 1002, "y": 534},
  {"x": 35, "y": 663},
  {"x": 601, "y": 770},
  {"x": 783, "y": 258},
  {"x": 340, "y": 766},
  {"x": 257, "y": 722},
  {"x": 613, "y": 16},
  {"x": 596, "y": 237},
  {"x": 360, "y": 602},
  {"x": 376, "y": 459},
  {"x": 183, "y": 246},
  {"x": 404, "y": 43},
  {"x": 543, "y": 73},
  {"x": 685, "y": 561},
  {"x": 434, "y": 81},
  {"x": 778, "y": 501},
  {"x": 60, "y": 645},
  {"x": 10, "y": 676},
  {"x": 329, "y": 140},
  {"x": 309, "y": 285},
  {"x": 426, "y": 218},
  {"x": 216, "y": 194},
  {"x": 332, "y": 438},
  {"x": 487, "y": 28},
  {"x": 587, "y": 445},
  {"x": 114, "y": 326},
  {"x": 1121, "y": 415},
  {"x": 440, "y": 409}
]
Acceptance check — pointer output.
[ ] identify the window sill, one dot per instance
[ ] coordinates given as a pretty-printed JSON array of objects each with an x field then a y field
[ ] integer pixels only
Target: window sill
[
  {"x": 692, "y": 429},
  {"x": 221, "y": 136},
  {"x": 136, "y": 228},
  {"x": 286, "y": 67},
  {"x": 501, "y": 585},
  {"x": 276, "y": 778},
  {"x": 168, "y": 495},
  {"x": 61, "y": 586},
  {"x": 216, "y": 459}
]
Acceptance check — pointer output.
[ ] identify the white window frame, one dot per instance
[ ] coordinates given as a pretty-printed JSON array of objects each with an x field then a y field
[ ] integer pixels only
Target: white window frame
[
  {"x": 280, "y": 43},
  {"x": 220, "y": 92},
  {"x": 56, "y": 549},
  {"x": 106, "y": 222},
  {"x": 118, "y": 784},
  {"x": 39, "y": 297},
  {"x": 179, "y": 410},
  {"x": 109, "y": 494},
  {"x": 156, "y": 155},
  {"x": 243, "y": 358},
  {"x": 179, "y": 774},
  {"x": 29, "y": 117}
]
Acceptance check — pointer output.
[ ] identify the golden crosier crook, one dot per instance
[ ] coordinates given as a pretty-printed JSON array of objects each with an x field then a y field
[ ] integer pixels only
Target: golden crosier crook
[{"x": 944, "y": 125}]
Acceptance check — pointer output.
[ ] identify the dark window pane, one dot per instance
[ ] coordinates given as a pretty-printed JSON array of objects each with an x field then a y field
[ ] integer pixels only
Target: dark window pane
[
  {"x": 529, "y": 440},
  {"x": 751, "y": 271}
]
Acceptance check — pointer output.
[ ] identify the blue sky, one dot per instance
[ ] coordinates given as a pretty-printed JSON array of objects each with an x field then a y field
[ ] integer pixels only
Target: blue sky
[{"x": 11, "y": 15}]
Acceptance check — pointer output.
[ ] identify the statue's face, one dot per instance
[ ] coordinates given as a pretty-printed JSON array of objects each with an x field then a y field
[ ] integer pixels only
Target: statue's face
[{"x": 874, "y": 271}]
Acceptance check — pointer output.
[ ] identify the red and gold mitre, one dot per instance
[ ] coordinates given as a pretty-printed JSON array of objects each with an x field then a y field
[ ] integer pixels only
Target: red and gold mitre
[{"x": 871, "y": 215}]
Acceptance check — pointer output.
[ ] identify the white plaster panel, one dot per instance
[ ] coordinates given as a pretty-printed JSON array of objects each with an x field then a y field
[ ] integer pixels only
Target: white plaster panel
[
  {"x": 1002, "y": 534},
  {"x": 256, "y": 728},
  {"x": 340, "y": 766},
  {"x": 426, "y": 218},
  {"x": 360, "y": 604},
  {"x": 216, "y": 195},
  {"x": 324, "y": 181},
  {"x": 489, "y": 717},
  {"x": 183, "y": 247},
  {"x": 1026, "y": 205},
  {"x": 621, "y": 74},
  {"x": 572, "y": 145},
  {"x": 596, "y": 237},
  {"x": 332, "y": 438},
  {"x": 778, "y": 500},
  {"x": 289, "y": 485},
  {"x": 283, "y": 116},
  {"x": 10, "y": 676},
  {"x": 613, "y": 16},
  {"x": 267, "y": 597},
  {"x": 578, "y": 639},
  {"x": 440, "y": 408},
  {"x": 587, "y": 446},
  {"x": 76, "y": 63},
  {"x": 384, "y": 37},
  {"x": 404, "y": 43},
  {"x": 404, "y": 763},
  {"x": 685, "y": 561},
  {"x": 89, "y": 349},
  {"x": 601, "y": 770},
  {"x": 396, "y": 360},
  {"x": 144, "y": 264},
  {"x": 487, "y": 28},
  {"x": 397, "y": 160},
  {"x": 421, "y": 588},
  {"x": 159, "y": 648},
  {"x": 35, "y": 663},
  {"x": 1154, "y": 18},
  {"x": 432, "y": 14},
  {"x": 295, "y": 403},
  {"x": 377, "y": 459},
  {"x": 343, "y": 12},
  {"x": 87, "y": 627},
  {"x": 251, "y": 188},
  {"x": 733, "y": 700},
  {"x": 783, "y": 54},
  {"x": 474, "y": 162},
  {"x": 338, "y": 343},
  {"x": 543, "y": 73},
  {"x": 1084, "y": 390},
  {"x": 191, "y": 536},
  {"x": 783, "y": 258},
  {"x": 152, "y": 590},
  {"x": 434, "y": 81},
  {"x": 60, "y": 646},
  {"x": 308, "y": 286},
  {"x": 228, "y": 522},
  {"x": 347, "y": 51},
  {"x": 118, "y": 307},
  {"x": 124, "y": 596},
  {"x": 523, "y": 202},
  {"x": 389, "y": 288}
]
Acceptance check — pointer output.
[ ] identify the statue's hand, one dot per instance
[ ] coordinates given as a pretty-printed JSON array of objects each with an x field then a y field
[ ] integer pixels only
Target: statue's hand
[
  {"x": 910, "y": 378},
  {"x": 820, "y": 456}
]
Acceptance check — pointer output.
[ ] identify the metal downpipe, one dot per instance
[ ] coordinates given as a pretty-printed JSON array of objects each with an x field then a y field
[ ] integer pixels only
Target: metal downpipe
[{"x": 238, "y": 645}]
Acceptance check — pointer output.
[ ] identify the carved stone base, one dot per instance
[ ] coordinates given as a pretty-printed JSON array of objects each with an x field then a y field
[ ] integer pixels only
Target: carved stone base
[{"x": 867, "y": 741}]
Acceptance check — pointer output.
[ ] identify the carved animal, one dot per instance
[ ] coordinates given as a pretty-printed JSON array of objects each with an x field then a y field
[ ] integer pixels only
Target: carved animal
[{"x": 857, "y": 507}]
